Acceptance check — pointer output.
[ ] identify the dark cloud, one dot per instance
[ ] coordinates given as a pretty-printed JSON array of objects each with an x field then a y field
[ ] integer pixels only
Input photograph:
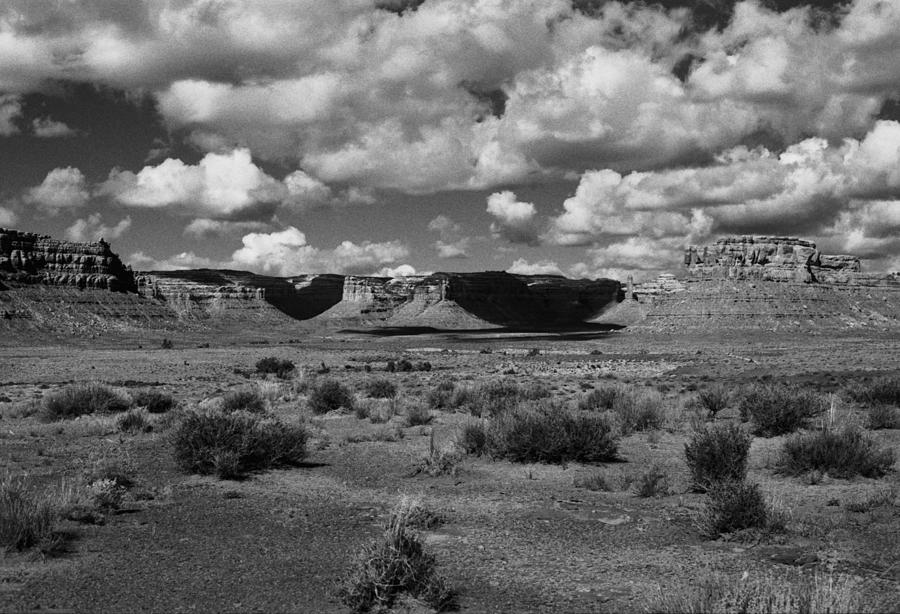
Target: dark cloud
[{"x": 398, "y": 6}]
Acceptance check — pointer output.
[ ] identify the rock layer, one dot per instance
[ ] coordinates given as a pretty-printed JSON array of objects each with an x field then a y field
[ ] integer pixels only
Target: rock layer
[{"x": 28, "y": 258}]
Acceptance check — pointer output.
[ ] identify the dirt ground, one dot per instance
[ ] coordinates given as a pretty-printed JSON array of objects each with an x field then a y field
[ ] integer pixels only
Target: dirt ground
[{"x": 514, "y": 537}]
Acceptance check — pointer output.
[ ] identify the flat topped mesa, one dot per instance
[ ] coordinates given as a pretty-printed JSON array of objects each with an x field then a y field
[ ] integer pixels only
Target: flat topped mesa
[{"x": 30, "y": 258}]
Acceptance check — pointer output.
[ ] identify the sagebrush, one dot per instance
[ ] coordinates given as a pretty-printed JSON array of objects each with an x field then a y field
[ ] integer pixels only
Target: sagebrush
[{"x": 717, "y": 453}]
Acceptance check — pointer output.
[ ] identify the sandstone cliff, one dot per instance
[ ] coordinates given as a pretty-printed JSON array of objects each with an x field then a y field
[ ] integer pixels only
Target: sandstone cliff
[{"x": 28, "y": 258}]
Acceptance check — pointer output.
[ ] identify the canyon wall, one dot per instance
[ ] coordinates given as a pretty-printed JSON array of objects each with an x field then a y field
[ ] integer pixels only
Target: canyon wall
[{"x": 28, "y": 258}]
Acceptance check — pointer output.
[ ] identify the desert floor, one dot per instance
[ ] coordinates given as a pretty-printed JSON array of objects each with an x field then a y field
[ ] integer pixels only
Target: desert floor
[{"x": 514, "y": 537}]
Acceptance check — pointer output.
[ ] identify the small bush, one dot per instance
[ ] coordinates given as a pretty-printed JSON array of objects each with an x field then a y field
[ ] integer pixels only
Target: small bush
[
  {"x": 439, "y": 396},
  {"x": 27, "y": 517},
  {"x": 381, "y": 389},
  {"x": 134, "y": 421},
  {"x": 394, "y": 565},
  {"x": 423, "y": 365},
  {"x": 549, "y": 434},
  {"x": 734, "y": 506},
  {"x": 596, "y": 481},
  {"x": 472, "y": 438},
  {"x": 231, "y": 444},
  {"x": 330, "y": 395},
  {"x": 778, "y": 410},
  {"x": 882, "y": 416},
  {"x": 154, "y": 401},
  {"x": 639, "y": 411},
  {"x": 417, "y": 415},
  {"x": 282, "y": 368},
  {"x": 81, "y": 399},
  {"x": 716, "y": 454},
  {"x": 404, "y": 366},
  {"x": 881, "y": 390},
  {"x": 841, "y": 453},
  {"x": 167, "y": 344},
  {"x": 653, "y": 483},
  {"x": 244, "y": 400},
  {"x": 715, "y": 398},
  {"x": 602, "y": 398}
]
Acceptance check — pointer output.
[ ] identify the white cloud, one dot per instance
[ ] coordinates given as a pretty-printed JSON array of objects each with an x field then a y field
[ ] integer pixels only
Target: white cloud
[
  {"x": 8, "y": 217},
  {"x": 287, "y": 252},
  {"x": 516, "y": 221},
  {"x": 62, "y": 188},
  {"x": 404, "y": 270},
  {"x": 46, "y": 128},
  {"x": 179, "y": 262},
  {"x": 541, "y": 267},
  {"x": 10, "y": 110},
  {"x": 205, "y": 227},
  {"x": 451, "y": 244},
  {"x": 220, "y": 184},
  {"x": 92, "y": 228}
]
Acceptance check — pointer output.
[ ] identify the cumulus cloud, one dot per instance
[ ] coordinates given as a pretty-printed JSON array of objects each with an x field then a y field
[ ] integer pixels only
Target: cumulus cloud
[
  {"x": 287, "y": 252},
  {"x": 10, "y": 110},
  {"x": 515, "y": 220},
  {"x": 179, "y": 262},
  {"x": 541, "y": 267},
  {"x": 205, "y": 227},
  {"x": 62, "y": 188},
  {"x": 92, "y": 228},
  {"x": 451, "y": 243},
  {"x": 404, "y": 270},
  {"x": 8, "y": 217},
  {"x": 46, "y": 128}
]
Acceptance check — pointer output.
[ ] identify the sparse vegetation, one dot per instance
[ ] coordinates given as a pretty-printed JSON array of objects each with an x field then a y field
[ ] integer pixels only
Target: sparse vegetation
[
  {"x": 717, "y": 453},
  {"x": 842, "y": 453},
  {"x": 417, "y": 414},
  {"x": 134, "y": 421},
  {"x": 883, "y": 390},
  {"x": 654, "y": 482},
  {"x": 281, "y": 368},
  {"x": 81, "y": 399},
  {"x": 27, "y": 516},
  {"x": 439, "y": 397},
  {"x": 596, "y": 481},
  {"x": 232, "y": 444},
  {"x": 381, "y": 388},
  {"x": 883, "y": 416},
  {"x": 715, "y": 398},
  {"x": 550, "y": 434},
  {"x": 489, "y": 398},
  {"x": 639, "y": 411},
  {"x": 393, "y": 565},
  {"x": 329, "y": 395},
  {"x": 154, "y": 401},
  {"x": 248, "y": 400},
  {"x": 472, "y": 438},
  {"x": 602, "y": 398},
  {"x": 778, "y": 409}
]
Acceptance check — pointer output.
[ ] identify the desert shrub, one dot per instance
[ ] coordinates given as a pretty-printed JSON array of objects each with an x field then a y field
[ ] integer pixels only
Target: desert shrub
[
  {"x": 393, "y": 565},
  {"x": 494, "y": 397},
  {"x": 654, "y": 482},
  {"x": 777, "y": 409},
  {"x": 282, "y": 368},
  {"x": 244, "y": 400},
  {"x": 329, "y": 395},
  {"x": 231, "y": 444},
  {"x": 381, "y": 388},
  {"x": 717, "y": 453},
  {"x": 167, "y": 344},
  {"x": 439, "y": 396},
  {"x": 715, "y": 398},
  {"x": 27, "y": 517},
  {"x": 733, "y": 506},
  {"x": 639, "y": 411},
  {"x": 883, "y": 416},
  {"x": 423, "y": 365},
  {"x": 156, "y": 402},
  {"x": 417, "y": 415},
  {"x": 842, "y": 453},
  {"x": 134, "y": 421},
  {"x": 404, "y": 366},
  {"x": 80, "y": 399},
  {"x": 769, "y": 593},
  {"x": 105, "y": 495},
  {"x": 551, "y": 434},
  {"x": 472, "y": 437},
  {"x": 881, "y": 390},
  {"x": 595, "y": 481},
  {"x": 602, "y": 398}
]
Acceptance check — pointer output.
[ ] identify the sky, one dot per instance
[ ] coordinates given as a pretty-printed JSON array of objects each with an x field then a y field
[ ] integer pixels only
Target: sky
[{"x": 577, "y": 137}]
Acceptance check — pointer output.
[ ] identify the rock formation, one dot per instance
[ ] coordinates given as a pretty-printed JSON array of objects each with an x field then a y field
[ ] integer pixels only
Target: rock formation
[
  {"x": 769, "y": 283},
  {"x": 27, "y": 258}
]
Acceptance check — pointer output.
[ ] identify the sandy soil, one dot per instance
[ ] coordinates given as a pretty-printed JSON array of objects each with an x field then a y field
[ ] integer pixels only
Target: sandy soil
[{"x": 515, "y": 537}]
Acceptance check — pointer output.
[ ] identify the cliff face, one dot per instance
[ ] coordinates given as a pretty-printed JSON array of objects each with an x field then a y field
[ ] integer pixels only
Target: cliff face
[
  {"x": 768, "y": 283},
  {"x": 27, "y": 258}
]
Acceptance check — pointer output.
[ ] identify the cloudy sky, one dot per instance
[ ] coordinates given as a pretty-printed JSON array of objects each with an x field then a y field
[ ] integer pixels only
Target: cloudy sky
[{"x": 582, "y": 137}]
